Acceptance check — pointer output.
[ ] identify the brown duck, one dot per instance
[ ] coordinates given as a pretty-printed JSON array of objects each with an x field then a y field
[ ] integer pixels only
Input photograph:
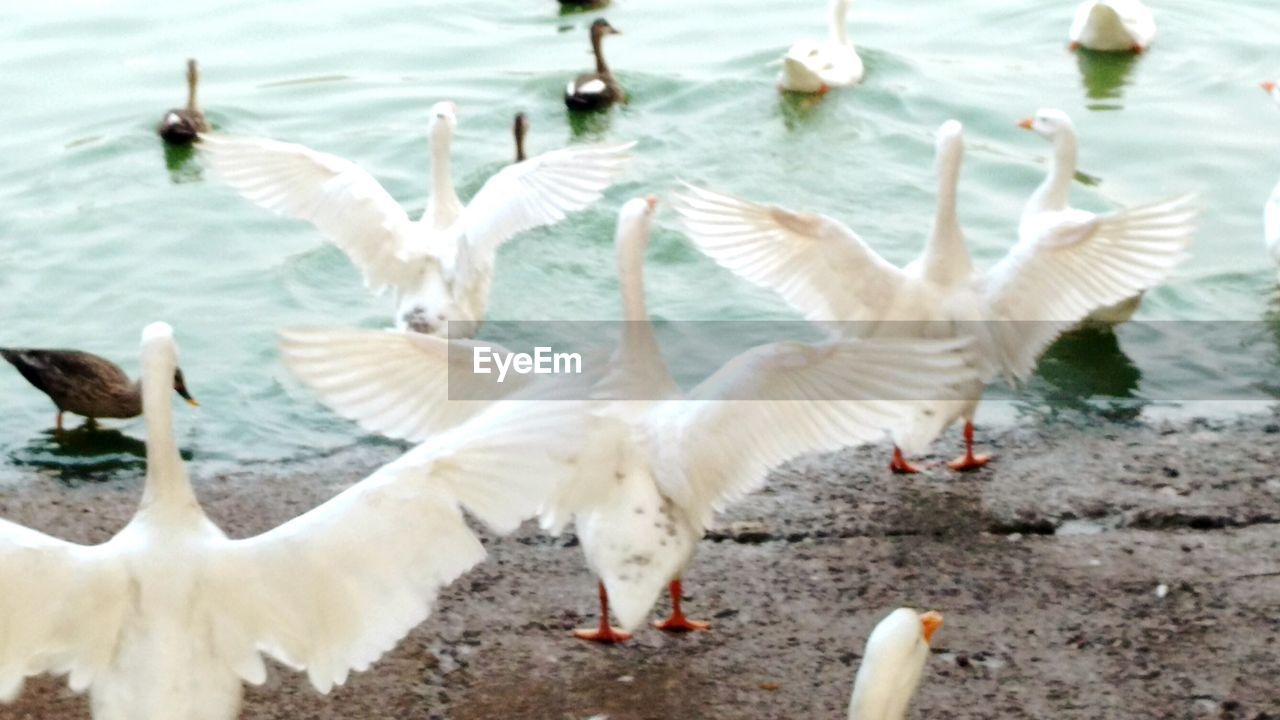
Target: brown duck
[
  {"x": 600, "y": 89},
  {"x": 180, "y": 126},
  {"x": 84, "y": 383}
]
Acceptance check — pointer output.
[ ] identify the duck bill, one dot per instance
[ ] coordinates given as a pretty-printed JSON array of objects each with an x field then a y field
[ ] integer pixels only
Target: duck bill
[
  {"x": 187, "y": 396},
  {"x": 1267, "y": 85},
  {"x": 1026, "y": 123},
  {"x": 931, "y": 621}
]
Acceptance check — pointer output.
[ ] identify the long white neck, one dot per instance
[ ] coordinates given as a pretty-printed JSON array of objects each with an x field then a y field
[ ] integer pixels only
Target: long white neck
[
  {"x": 839, "y": 14},
  {"x": 645, "y": 372},
  {"x": 443, "y": 207},
  {"x": 946, "y": 258},
  {"x": 1054, "y": 192},
  {"x": 167, "y": 482}
]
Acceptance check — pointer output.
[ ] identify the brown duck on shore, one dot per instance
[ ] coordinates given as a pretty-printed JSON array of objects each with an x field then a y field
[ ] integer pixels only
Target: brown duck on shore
[
  {"x": 84, "y": 383},
  {"x": 597, "y": 90},
  {"x": 520, "y": 129},
  {"x": 180, "y": 126}
]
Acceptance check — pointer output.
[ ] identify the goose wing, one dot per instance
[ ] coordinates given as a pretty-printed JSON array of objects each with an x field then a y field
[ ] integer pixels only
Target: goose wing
[
  {"x": 1072, "y": 262},
  {"x": 345, "y": 203},
  {"x": 539, "y": 191},
  {"x": 62, "y": 606},
  {"x": 777, "y": 401},
  {"x": 334, "y": 589},
  {"x": 816, "y": 263},
  {"x": 404, "y": 385}
]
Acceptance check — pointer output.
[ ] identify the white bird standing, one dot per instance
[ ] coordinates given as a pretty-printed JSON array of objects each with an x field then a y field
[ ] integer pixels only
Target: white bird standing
[
  {"x": 169, "y": 617},
  {"x": 1271, "y": 216},
  {"x": 816, "y": 66},
  {"x": 659, "y": 463},
  {"x": 441, "y": 265},
  {"x": 892, "y": 665},
  {"x": 1050, "y": 280},
  {"x": 1113, "y": 26}
]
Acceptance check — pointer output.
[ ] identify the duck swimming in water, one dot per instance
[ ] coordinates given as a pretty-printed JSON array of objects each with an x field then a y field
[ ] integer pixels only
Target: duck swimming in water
[
  {"x": 84, "y": 383},
  {"x": 180, "y": 126},
  {"x": 600, "y": 89}
]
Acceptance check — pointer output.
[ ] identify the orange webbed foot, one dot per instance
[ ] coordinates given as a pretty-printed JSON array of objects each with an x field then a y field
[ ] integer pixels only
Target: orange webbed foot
[
  {"x": 969, "y": 462},
  {"x": 605, "y": 634},
  {"x": 900, "y": 466},
  {"x": 682, "y": 624}
]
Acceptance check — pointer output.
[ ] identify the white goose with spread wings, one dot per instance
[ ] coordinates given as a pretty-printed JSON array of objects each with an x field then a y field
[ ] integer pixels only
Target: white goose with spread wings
[
  {"x": 659, "y": 463},
  {"x": 168, "y": 618},
  {"x": 441, "y": 265},
  {"x": 1050, "y": 280}
]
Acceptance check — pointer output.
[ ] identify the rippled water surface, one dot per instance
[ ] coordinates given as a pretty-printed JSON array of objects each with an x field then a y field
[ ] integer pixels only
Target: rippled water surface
[{"x": 101, "y": 231}]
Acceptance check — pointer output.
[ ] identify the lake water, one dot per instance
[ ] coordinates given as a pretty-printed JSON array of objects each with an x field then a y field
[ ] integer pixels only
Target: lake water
[{"x": 102, "y": 232}]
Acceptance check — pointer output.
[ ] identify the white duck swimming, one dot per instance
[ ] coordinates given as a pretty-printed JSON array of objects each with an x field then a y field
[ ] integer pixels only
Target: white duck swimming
[
  {"x": 1113, "y": 25},
  {"x": 816, "y": 66},
  {"x": 441, "y": 265},
  {"x": 1271, "y": 216},
  {"x": 892, "y": 665},
  {"x": 659, "y": 462},
  {"x": 1050, "y": 280},
  {"x": 168, "y": 618}
]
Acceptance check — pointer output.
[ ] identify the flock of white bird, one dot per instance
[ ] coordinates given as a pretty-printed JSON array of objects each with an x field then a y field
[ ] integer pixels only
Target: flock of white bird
[{"x": 170, "y": 617}]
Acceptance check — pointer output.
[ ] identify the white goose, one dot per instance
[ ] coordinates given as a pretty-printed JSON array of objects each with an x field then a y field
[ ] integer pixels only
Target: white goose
[
  {"x": 1113, "y": 25},
  {"x": 1271, "y": 215},
  {"x": 1049, "y": 204},
  {"x": 892, "y": 665},
  {"x": 1050, "y": 280},
  {"x": 169, "y": 618},
  {"x": 816, "y": 66},
  {"x": 661, "y": 462},
  {"x": 441, "y": 265}
]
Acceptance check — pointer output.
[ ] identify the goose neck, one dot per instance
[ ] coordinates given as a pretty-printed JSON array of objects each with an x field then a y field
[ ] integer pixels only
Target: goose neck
[{"x": 839, "y": 18}]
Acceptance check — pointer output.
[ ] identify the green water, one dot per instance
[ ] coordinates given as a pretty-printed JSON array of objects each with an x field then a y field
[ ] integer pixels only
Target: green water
[{"x": 101, "y": 232}]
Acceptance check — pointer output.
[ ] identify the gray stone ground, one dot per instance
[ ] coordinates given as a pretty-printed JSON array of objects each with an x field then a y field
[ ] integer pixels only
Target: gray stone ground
[{"x": 1046, "y": 566}]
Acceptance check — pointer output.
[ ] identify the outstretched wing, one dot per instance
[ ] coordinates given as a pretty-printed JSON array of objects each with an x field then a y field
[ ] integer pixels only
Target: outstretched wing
[
  {"x": 333, "y": 590},
  {"x": 817, "y": 264},
  {"x": 345, "y": 203},
  {"x": 398, "y": 384},
  {"x": 61, "y": 608},
  {"x": 777, "y": 401},
  {"x": 1069, "y": 263},
  {"x": 539, "y": 191}
]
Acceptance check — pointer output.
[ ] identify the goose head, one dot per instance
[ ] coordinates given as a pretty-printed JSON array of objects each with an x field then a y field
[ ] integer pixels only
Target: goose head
[
  {"x": 635, "y": 221},
  {"x": 892, "y": 665},
  {"x": 444, "y": 120},
  {"x": 1048, "y": 123},
  {"x": 949, "y": 144}
]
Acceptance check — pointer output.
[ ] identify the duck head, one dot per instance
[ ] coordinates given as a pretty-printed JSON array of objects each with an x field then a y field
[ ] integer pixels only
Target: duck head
[
  {"x": 180, "y": 386},
  {"x": 601, "y": 27},
  {"x": 892, "y": 665}
]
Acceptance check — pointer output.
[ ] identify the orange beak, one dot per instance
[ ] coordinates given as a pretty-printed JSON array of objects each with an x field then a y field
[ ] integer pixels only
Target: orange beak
[
  {"x": 931, "y": 621},
  {"x": 652, "y": 201},
  {"x": 1268, "y": 85},
  {"x": 1026, "y": 123},
  {"x": 192, "y": 402}
]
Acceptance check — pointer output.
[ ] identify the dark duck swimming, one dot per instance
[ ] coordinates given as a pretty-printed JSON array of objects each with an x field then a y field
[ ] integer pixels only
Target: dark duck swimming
[
  {"x": 181, "y": 126},
  {"x": 597, "y": 90}
]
